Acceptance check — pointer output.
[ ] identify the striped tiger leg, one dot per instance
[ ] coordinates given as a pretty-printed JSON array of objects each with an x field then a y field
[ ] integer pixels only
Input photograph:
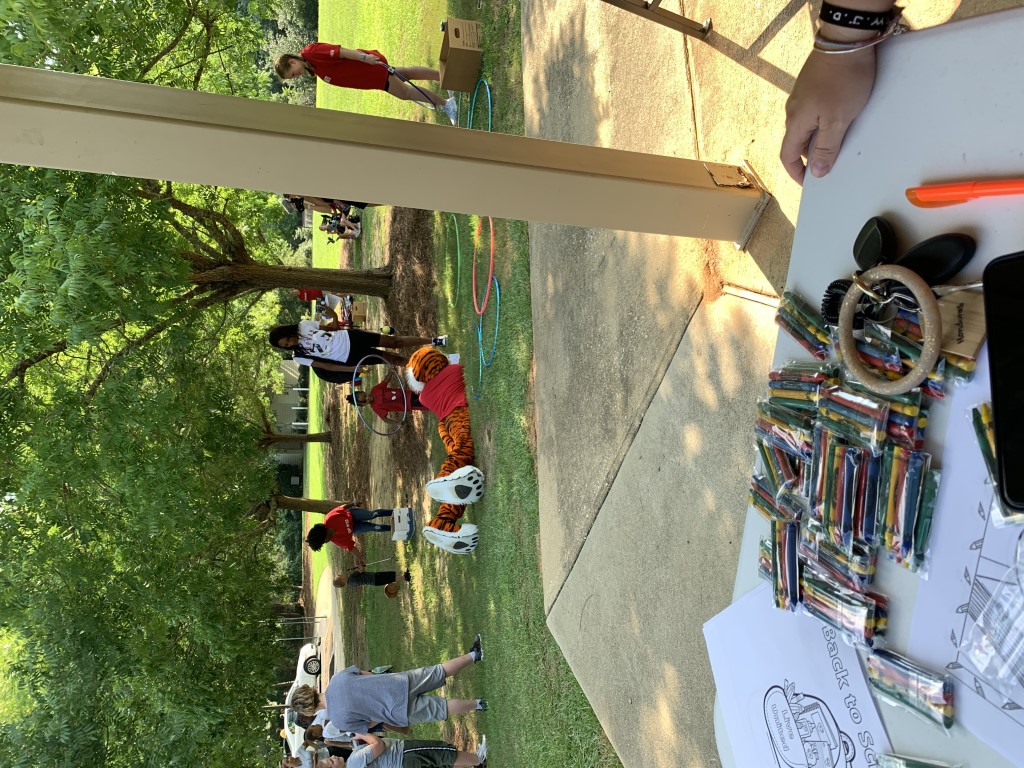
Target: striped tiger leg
[
  {"x": 458, "y": 441},
  {"x": 447, "y": 518}
]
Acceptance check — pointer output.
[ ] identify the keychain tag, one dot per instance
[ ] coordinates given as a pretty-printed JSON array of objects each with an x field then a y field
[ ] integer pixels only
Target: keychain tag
[{"x": 963, "y": 323}]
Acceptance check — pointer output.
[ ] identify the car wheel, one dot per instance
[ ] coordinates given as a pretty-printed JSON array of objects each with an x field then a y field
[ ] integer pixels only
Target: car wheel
[{"x": 312, "y": 665}]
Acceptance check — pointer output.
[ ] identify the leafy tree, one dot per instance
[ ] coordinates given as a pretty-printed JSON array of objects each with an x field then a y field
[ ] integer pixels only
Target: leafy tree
[{"x": 138, "y": 571}]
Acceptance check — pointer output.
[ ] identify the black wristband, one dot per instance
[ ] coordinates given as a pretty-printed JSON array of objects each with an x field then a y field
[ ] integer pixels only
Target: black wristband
[{"x": 845, "y": 17}]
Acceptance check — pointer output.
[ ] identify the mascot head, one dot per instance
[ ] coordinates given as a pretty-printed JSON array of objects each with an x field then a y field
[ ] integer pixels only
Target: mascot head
[{"x": 424, "y": 364}]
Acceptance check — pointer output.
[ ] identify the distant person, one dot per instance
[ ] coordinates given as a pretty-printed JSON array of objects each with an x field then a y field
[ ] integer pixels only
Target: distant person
[
  {"x": 365, "y": 70},
  {"x": 351, "y": 208},
  {"x": 359, "y": 577},
  {"x": 342, "y": 218},
  {"x": 307, "y": 294},
  {"x": 340, "y": 350},
  {"x": 308, "y": 702},
  {"x": 411, "y": 753},
  {"x": 384, "y": 400},
  {"x": 342, "y": 524},
  {"x": 357, "y": 699}
]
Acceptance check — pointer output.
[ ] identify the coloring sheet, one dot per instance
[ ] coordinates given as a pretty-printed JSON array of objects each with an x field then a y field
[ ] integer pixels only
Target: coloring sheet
[
  {"x": 969, "y": 556},
  {"x": 792, "y": 693}
]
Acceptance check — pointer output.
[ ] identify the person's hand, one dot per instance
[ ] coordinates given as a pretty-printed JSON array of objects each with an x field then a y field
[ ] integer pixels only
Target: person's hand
[
  {"x": 369, "y": 58},
  {"x": 830, "y": 92}
]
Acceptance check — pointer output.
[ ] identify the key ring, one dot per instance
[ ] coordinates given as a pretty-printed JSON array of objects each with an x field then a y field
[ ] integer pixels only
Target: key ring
[{"x": 931, "y": 329}]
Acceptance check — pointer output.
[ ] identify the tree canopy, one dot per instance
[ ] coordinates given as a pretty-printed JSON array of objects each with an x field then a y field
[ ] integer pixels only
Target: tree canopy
[{"x": 137, "y": 574}]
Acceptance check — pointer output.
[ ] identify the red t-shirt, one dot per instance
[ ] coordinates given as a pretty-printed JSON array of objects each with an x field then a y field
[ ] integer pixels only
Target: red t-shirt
[
  {"x": 310, "y": 294},
  {"x": 389, "y": 400},
  {"x": 327, "y": 64},
  {"x": 339, "y": 523},
  {"x": 445, "y": 392}
]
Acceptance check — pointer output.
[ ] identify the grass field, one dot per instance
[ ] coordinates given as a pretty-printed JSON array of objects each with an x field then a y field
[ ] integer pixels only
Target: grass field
[{"x": 538, "y": 714}]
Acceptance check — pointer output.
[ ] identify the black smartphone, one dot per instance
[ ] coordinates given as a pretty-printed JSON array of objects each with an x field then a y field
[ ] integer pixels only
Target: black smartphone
[{"x": 1004, "y": 325}]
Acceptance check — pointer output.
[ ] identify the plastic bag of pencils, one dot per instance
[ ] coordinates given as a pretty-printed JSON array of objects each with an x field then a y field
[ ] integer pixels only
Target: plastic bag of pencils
[
  {"x": 781, "y": 469},
  {"x": 902, "y": 761},
  {"x": 984, "y": 432},
  {"x": 901, "y": 492},
  {"x": 801, "y": 321},
  {"x": 763, "y": 499},
  {"x": 785, "y": 565},
  {"x": 958, "y": 368},
  {"x": 907, "y": 415},
  {"x": 858, "y": 418},
  {"x": 854, "y": 569},
  {"x": 861, "y": 618},
  {"x": 796, "y": 384},
  {"x": 910, "y": 353},
  {"x": 784, "y": 428},
  {"x": 903, "y": 682}
]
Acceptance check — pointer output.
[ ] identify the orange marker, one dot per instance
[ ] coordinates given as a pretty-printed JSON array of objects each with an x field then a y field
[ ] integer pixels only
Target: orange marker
[{"x": 940, "y": 195}]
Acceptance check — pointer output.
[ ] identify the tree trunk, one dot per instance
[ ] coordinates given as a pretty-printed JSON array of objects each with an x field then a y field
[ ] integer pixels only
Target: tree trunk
[
  {"x": 316, "y": 506},
  {"x": 245, "y": 276},
  {"x": 287, "y": 610},
  {"x": 273, "y": 438}
]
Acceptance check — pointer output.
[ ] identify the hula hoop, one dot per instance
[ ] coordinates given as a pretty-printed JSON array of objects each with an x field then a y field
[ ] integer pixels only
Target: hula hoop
[
  {"x": 472, "y": 104},
  {"x": 458, "y": 257},
  {"x": 405, "y": 397},
  {"x": 490, "y": 273},
  {"x": 481, "y": 363},
  {"x": 480, "y": 327}
]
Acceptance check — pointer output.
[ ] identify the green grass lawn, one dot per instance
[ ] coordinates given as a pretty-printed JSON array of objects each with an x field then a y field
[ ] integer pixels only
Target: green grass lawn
[{"x": 538, "y": 714}]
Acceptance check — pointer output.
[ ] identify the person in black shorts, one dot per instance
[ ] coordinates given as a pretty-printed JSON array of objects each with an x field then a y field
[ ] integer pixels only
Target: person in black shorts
[
  {"x": 341, "y": 350},
  {"x": 408, "y": 753}
]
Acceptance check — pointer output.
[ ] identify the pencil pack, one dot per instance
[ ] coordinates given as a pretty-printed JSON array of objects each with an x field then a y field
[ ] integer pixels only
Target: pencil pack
[
  {"x": 796, "y": 384},
  {"x": 801, "y": 321},
  {"x": 904, "y": 682},
  {"x": 861, "y": 618},
  {"x": 984, "y": 432}
]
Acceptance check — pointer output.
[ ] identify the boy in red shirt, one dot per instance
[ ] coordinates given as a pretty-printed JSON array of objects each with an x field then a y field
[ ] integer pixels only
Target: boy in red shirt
[
  {"x": 342, "y": 524},
  {"x": 384, "y": 400},
  {"x": 365, "y": 69}
]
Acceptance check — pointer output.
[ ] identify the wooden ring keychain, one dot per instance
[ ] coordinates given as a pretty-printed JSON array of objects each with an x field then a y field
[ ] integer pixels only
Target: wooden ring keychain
[{"x": 930, "y": 321}]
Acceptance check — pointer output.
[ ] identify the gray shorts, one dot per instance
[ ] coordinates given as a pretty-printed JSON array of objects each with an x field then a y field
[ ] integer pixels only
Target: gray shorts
[{"x": 423, "y": 708}]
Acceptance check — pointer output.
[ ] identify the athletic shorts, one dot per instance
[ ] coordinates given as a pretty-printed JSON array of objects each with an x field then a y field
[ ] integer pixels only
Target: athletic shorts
[
  {"x": 367, "y": 77},
  {"x": 423, "y": 708},
  {"x": 428, "y": 754},
  {"x": 363, "y": 343}
]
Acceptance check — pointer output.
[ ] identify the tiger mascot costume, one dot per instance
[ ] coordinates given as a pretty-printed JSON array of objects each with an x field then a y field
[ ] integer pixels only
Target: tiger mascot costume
[{"x": 442, "y": 389}]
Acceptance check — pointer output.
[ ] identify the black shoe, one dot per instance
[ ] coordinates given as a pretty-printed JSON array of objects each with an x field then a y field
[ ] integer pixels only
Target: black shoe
[
  {"x": 477, "y": 649},
  {"x": 407, "y": 576}
]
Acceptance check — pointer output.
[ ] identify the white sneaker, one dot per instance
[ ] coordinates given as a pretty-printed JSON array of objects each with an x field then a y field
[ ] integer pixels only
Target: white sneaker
[
  {"x": 440, "y": 341},
  {"x": 451, "y": 109},
  {"x": 481, "y": 751}
]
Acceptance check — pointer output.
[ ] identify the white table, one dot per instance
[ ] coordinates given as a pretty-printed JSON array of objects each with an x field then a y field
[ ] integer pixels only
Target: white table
[{"x": 948, "y": 105}]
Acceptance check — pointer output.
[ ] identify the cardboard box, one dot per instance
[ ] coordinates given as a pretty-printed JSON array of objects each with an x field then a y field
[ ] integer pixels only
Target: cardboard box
[
  {"x": 460, "y": 55},
  {"x": 358, "y": 312}
]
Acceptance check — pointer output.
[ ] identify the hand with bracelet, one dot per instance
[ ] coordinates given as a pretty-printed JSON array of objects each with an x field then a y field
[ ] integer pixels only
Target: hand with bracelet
[{"x": 834, "y": 84}]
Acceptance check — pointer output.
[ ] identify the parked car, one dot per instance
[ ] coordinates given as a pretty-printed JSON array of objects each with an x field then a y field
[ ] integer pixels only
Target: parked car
[{"x": 307, "y": 672}]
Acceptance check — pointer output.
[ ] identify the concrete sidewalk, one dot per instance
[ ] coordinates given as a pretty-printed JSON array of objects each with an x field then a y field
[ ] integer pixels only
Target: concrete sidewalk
[{"x": 647, "y": 375}]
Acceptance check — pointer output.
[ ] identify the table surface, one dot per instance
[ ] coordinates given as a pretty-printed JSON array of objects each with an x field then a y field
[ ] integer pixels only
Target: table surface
[{"x": 948, "y": 105}]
